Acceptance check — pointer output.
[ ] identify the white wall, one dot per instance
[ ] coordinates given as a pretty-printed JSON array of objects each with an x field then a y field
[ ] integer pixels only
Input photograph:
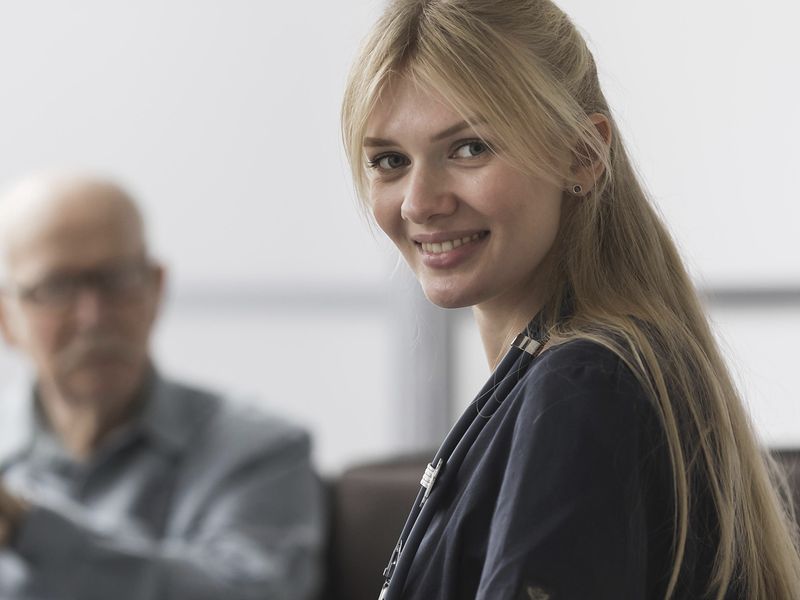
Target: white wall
[
  {"x": 223, "y": 117},
  {"x": 706, "y": 94}
]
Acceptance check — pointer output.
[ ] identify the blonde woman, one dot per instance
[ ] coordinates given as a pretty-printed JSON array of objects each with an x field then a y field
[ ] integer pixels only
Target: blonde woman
[{"x": 608, "y": 456}]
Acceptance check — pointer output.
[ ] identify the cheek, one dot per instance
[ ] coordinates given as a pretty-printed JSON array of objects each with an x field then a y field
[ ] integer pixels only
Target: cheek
[
  {"x": 42, "y": 339},
  {"x": 134, "y": 324},
  {"x": 537, "y": 205},
  {"x": 386, "y": 214}
]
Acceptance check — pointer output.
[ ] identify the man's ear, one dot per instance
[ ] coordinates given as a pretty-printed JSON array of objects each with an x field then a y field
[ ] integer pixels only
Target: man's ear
[
  {"x": 588, "y": 167},
  {"x": 6, "y": 327},
  {"x": 159, "y": 285}
]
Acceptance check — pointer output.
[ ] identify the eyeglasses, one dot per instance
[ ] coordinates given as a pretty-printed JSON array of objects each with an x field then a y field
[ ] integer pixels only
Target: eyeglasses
[{"x": 115, "y": 284}]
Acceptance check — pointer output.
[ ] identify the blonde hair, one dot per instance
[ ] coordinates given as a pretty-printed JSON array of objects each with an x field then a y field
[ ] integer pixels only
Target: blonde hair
[{"x": 522, "y": 67}]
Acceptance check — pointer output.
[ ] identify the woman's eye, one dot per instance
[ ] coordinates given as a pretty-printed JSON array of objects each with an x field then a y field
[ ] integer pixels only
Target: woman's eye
[
  {"x": 471, "y": 149},
  {"x": 387, "y": 162}
]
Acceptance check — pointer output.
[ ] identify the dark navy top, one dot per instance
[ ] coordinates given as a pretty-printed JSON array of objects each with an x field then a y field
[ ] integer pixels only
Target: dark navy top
[{"x": 565, "y": 494}]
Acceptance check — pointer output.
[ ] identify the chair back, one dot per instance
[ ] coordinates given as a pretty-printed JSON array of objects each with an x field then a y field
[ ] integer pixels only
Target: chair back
[
  {"x": 368, "y": 507},
  {"x": 789, "y": 460}
]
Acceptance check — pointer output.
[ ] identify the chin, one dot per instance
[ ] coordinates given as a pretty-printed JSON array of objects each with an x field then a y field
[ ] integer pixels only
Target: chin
[
  {"x": 108, "y": 385},
  {"x": 449, "y": 298}
]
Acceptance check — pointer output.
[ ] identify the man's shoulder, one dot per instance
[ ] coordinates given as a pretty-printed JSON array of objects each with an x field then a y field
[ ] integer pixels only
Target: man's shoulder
[
  {"x": 232, "y": 425},
  {"x": 232, "y": 447}
]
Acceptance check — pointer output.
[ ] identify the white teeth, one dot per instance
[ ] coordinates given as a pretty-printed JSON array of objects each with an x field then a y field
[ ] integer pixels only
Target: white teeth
[{"x": 447, "y": 246}]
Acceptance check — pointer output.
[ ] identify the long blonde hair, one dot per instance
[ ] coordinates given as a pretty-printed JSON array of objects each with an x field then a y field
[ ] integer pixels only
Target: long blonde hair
[{"x": 522, "y": 67}]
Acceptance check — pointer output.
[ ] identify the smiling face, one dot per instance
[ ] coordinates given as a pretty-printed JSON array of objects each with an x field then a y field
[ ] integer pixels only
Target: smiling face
[{"x": 475, "y": 230}]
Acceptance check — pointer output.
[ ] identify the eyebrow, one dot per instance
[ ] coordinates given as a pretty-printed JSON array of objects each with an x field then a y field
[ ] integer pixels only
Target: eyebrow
[{"x": 371, "y": 142}]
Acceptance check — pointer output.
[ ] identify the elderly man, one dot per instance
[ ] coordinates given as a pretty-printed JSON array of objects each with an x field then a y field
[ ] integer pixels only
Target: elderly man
[{"x": 118, "y": 483}]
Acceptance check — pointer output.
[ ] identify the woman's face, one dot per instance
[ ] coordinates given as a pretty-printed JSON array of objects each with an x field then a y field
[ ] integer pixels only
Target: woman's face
[{"x": 474, "y": 229}]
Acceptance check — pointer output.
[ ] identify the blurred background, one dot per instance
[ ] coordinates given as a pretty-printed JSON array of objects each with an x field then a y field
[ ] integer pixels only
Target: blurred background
[{"x": 222, "y": 119}]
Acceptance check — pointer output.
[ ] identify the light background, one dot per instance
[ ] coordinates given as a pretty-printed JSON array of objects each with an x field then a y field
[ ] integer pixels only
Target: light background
[{"x": 222, "y": 117}]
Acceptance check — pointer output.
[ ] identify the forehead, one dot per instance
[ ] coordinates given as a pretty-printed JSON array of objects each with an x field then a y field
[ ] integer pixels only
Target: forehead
[
  {"x": 405, "y": 106},
  {"x": 84, "y": 227}
]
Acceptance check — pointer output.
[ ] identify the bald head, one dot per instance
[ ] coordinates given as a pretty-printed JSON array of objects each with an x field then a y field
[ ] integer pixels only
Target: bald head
[
  {"x": 69, "y": 214},
  {"x": 80, "y": 294}
]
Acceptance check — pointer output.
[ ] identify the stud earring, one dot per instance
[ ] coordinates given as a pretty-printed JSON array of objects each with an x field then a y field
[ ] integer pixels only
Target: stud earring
[{"x": 577, "y": 189}]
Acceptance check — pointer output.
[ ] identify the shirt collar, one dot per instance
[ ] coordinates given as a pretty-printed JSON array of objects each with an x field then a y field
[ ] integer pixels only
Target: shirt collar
[
  {"x": 172, "y": 414},
  {"x": 169, "y": 417}
]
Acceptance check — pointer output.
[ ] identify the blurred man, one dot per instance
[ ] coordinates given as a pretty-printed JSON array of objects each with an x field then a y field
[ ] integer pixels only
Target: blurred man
[{"x": 118, "y": 483}]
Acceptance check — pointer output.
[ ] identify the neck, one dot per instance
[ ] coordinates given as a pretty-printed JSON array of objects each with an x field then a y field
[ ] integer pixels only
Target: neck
[
  {"x": 82, "y": 425},
  {"x": 499, "y": 326},
  {"x": 502, "y": 318}
]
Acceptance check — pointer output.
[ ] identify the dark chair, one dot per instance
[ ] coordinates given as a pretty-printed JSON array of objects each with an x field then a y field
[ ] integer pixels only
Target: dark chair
[
  {"x": 789, "y": 460},
  {"x": 368, "y": 507}
]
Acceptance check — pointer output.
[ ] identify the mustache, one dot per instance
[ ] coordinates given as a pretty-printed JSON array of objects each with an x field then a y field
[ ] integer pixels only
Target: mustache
[{"x": 96, "y": 347}]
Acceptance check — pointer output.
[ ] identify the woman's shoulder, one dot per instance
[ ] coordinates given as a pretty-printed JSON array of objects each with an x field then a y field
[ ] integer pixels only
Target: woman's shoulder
[
  {"x": 579, "y": 351},
  {"x": 585, "y": 377},
  {"x": 578, "y": 360}
]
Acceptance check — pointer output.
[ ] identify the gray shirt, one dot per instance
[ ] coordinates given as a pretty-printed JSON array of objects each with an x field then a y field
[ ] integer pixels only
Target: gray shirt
[{"x": 193, "y": 500}]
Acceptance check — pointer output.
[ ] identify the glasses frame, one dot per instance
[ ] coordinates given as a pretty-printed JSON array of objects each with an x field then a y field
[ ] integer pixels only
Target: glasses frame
[{"x": 117, "y": 284}]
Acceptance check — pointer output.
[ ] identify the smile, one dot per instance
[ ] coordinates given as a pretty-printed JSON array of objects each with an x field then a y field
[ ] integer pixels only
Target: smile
[{"x": 449, "y": 245}]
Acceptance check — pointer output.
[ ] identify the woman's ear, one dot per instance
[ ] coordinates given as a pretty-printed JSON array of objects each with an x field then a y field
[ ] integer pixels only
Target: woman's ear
[{"x": 587, "y": 166}]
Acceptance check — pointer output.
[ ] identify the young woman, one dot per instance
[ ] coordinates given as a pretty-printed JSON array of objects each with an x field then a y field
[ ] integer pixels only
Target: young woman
[{"x": 609, "y": 456}]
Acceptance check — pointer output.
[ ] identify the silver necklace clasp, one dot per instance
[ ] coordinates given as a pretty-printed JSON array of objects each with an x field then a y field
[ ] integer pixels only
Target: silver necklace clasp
[
  {"x": 526, "y": 344},
  {"x": 429, "y": 478}
]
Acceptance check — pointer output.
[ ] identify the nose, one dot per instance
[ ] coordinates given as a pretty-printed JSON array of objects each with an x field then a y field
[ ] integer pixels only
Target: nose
[
  {"x": 89, "y": 307},
  {"x": 427, "y": 195}
]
